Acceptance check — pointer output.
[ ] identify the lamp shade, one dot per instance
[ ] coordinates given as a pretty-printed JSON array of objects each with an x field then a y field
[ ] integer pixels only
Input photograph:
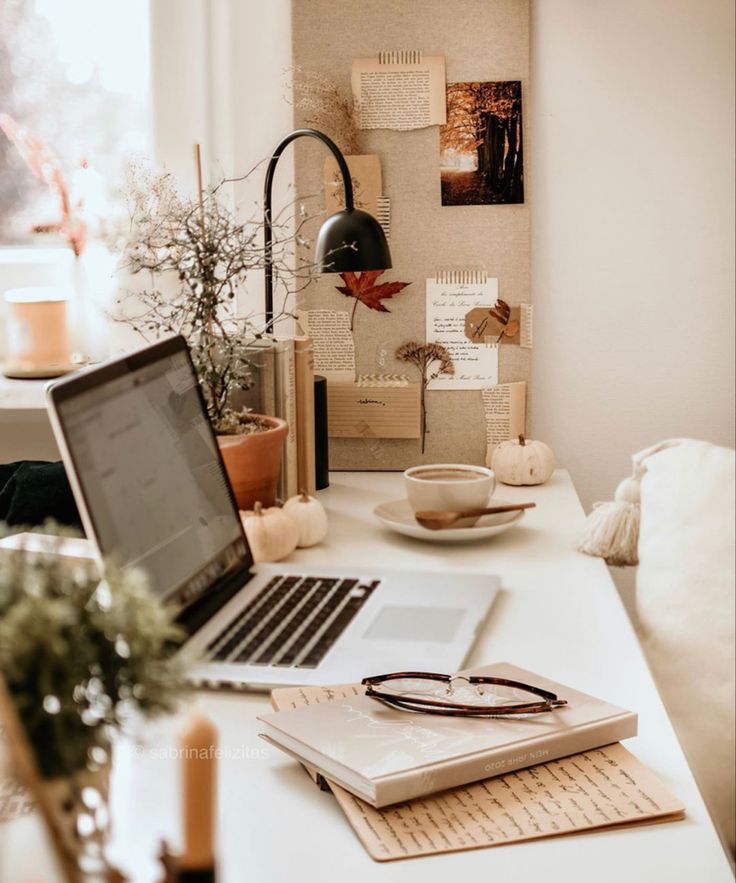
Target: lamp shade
[{"x": 351, "y": 241}]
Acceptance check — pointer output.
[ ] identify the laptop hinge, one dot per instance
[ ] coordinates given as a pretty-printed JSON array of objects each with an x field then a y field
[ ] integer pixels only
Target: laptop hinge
[{"x": 199, "y": 612}]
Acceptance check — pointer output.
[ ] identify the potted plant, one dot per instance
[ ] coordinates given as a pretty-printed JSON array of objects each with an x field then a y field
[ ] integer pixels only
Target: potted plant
[
  {"x": 80, "y": 659},
  {"x": 207, "y": 252}
]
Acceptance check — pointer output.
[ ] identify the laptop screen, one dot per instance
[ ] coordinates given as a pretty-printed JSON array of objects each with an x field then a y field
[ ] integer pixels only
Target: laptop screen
[{"x": 153, "y": 483}]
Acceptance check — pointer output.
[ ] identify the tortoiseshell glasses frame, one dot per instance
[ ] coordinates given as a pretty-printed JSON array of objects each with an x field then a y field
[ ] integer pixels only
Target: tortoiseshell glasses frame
[{"x": 547, "y": 701}]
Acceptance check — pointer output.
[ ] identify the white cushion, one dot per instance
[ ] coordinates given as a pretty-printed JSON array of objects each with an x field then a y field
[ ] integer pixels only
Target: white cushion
[{"x": 685, "y": 601}]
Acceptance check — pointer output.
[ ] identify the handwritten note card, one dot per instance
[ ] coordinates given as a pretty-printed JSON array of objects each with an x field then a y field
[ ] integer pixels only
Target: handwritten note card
[
  {"x": 595, "y": 789},
  {"x": 400, "y": 90},
  {"x": 371, "y": 408},
  {"x": 450, "y": 297}
]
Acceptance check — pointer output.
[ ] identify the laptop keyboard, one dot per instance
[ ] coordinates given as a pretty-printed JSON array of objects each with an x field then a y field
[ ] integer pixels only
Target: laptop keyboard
[{"x": 292, "y": 622}]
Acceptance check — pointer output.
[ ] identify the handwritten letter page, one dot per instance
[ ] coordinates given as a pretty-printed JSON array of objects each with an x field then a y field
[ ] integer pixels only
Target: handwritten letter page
[
  {"x": 596, "y": 789},
  {"x": 448, "y": 302},
  {"x": 400, "y": 90}
]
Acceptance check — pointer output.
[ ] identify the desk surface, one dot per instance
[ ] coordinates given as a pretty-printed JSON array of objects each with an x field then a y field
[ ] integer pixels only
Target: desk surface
[
  {"x": 22, "y": 395},
  {"x": 558, "y": 613}
]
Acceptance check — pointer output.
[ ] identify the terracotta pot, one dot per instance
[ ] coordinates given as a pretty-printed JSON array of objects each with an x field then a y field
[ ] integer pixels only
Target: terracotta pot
[{"x": 253, "y": 462}]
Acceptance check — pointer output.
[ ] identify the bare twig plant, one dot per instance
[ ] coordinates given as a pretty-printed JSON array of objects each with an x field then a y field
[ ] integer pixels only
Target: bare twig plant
[{"x": 208, "y": 252}]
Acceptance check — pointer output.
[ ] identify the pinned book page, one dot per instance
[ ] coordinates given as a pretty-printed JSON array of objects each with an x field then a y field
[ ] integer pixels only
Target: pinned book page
[
  {"x": 451, "y": 296},
  {"x": 400, "y": 90},
  {"x": 597, "y": 789},
  {"x": 504, "y": 406},
  {"x": 332, "y": 339}
]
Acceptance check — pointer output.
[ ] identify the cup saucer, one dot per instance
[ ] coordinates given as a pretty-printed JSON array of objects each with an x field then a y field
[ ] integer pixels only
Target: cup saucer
[{"x": 399, "y": 516}]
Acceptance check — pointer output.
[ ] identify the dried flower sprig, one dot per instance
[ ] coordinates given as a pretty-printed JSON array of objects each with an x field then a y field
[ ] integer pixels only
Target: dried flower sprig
[
  {"x": 46, "y": 166},
  {"x": 322, "y": 104},
  {"x": 432, "y": 359}
]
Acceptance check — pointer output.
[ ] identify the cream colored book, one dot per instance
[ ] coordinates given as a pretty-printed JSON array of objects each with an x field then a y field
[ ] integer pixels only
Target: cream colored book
[
  {"x": 285, "y": 394},
  {"x": 304, "y": 379},
  {"x": 384, "y": 755}
]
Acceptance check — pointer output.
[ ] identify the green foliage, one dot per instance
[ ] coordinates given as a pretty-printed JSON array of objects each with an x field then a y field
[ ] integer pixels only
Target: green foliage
[{"x": 81, "y": 657}]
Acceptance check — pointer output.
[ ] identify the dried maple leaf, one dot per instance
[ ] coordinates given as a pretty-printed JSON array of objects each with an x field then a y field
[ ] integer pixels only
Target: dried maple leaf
[{"x": 363, "y": 288}]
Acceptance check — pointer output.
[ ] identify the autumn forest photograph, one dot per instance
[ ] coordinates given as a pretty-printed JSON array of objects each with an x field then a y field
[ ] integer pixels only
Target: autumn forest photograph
[{"x": 481, "y": 149}]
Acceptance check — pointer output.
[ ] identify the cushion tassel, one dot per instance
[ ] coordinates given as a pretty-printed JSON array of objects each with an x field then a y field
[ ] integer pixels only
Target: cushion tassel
[{"x": 612, "y": 529}]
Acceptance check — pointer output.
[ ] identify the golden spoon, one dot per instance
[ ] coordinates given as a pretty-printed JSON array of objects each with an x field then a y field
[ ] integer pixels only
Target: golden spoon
[{"x": 437, "y": 519}]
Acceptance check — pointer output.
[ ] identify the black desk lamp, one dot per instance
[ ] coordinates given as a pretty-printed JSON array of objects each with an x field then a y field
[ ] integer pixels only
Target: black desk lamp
[{"x": 351, "y": 240}]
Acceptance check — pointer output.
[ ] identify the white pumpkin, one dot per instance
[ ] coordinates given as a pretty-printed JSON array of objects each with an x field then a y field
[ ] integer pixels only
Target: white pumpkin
[
  {"x": 520, "y": 461},
  {"x": 272, "y": 533},
  {"x": 310, "y": 517}
]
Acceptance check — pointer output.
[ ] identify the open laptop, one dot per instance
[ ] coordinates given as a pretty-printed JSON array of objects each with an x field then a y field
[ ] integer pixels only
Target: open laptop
[{"x": 152, "y": 491}]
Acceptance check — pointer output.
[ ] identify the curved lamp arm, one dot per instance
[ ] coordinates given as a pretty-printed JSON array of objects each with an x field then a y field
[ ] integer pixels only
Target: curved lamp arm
[{"x": 267, "y": 191}]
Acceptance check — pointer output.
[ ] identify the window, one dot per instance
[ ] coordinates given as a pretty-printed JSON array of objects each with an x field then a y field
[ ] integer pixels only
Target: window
[{"x": 76, "y": 75}]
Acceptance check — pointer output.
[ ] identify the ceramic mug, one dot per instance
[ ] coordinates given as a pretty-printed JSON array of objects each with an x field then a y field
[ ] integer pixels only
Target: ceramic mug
[{"x": 448, "y": 486}]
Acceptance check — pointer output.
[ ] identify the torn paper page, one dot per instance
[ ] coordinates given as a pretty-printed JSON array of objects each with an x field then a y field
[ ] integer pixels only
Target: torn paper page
[
  {"x": 400, "y": 90},
  {"x": 450, "y": 297},
  {"x": 365, "y": 173},
  {"x": 334, "y": 348},
  {"x": 504, "y": 406}
]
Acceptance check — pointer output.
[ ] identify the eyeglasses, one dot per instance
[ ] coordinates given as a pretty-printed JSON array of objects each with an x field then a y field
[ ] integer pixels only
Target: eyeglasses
[{"x": 472, "y": 696}]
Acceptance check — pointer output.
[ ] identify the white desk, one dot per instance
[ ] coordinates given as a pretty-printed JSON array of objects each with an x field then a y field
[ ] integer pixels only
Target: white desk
[
  {"x": 25, "y": 432},
  {"x": 558, "y": 614}
]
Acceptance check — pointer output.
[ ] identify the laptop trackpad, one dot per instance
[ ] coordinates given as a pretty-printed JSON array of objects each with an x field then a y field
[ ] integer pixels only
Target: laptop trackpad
[{"x": 437, "y": 624}]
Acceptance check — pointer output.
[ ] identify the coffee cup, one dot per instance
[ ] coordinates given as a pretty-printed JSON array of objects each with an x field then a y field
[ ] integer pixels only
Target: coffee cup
[{"x": 448, "y": 486}]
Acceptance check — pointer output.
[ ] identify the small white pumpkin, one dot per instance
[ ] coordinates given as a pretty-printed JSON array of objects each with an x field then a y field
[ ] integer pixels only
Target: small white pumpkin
[
  {"x": 524, "y": 462},
  {"x": 310, "y": 516},
  {"x": 272, "y": 533}
]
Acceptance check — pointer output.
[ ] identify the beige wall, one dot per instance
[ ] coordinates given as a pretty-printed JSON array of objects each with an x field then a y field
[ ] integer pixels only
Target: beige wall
[
  {"x": 632, "y": 189},
  {"x": 631, "y": 183}
]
